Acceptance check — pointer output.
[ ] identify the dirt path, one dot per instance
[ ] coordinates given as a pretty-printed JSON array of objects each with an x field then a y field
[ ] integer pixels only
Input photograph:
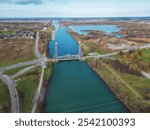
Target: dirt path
[{"x": 123, "y": 82}]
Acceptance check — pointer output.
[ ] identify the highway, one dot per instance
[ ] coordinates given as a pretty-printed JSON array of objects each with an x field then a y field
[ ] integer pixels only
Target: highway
[{"x": 13, "y": 93}]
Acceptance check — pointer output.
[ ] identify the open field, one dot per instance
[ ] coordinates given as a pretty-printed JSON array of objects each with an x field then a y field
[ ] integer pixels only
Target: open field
[
  {"x": 14, "y": 51},
  {"x": 146, "y": 55},
  {"x": 8, "y": 32},
  {"x": 4, "y": 98},
  {"x": 26, "y": 87}
]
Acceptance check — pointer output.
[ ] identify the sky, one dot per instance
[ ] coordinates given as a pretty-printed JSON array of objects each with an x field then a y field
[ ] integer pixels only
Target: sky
[{"x": 74, "y": 8}]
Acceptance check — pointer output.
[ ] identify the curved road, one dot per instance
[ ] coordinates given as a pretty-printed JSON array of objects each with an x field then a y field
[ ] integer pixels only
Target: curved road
[{"x": 13, "y": 93}]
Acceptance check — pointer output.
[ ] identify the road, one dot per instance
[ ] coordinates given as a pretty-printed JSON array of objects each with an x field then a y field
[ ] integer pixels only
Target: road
[
  {"x": 147, "y": 75},
  {"x": 41, "y": 61},
  {"x": 37, "y": 95},
  {"x": 23, "y": 71},
  {"x": 34, "y": 62},
  {"x": 36, "y": 50},
  {"x": 115, "y": 53},
  {"x": 13, "y": 93}
]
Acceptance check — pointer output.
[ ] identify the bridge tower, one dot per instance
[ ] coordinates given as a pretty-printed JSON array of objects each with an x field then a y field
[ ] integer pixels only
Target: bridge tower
[
  {"x": 80, "y": 53},
  {"x": 53, "y": 34},
  {"x": 55, "y": 59}
]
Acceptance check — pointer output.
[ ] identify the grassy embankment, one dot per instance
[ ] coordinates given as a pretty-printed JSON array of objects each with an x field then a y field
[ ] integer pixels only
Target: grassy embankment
[
  {"x": 133, "y": 90},
  {"x": 45, "y": 36},
  {"x": 15, "y": 51}
]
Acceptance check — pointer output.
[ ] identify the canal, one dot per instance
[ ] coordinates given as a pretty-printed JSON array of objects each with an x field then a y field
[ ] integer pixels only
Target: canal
[{"x": 74, "y": 87}]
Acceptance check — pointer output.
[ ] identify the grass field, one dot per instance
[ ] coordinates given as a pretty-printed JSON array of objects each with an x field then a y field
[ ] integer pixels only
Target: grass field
[
  {"x": 4, "y": 98},
  {"x": 146, "y": 55},
  {"x": 8, "y": 32},
  {"x": 26, "y": 88},
  {"x": 15, "y": 51}
]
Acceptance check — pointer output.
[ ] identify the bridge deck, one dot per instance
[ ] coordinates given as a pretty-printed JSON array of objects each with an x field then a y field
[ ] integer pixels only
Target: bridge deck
[{"x": 66, "y": 58}]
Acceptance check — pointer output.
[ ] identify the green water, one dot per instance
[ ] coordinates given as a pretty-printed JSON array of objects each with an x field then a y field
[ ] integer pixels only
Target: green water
[{"x": 74, "y": 86}]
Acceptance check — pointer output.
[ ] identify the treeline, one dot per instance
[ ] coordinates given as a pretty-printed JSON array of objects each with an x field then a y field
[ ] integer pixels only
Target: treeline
[{"x": 131, "y": 62}]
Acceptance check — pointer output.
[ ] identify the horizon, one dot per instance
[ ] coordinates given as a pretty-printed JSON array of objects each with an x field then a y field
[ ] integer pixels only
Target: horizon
[
  {"x": 76, "y": 17},
  {"x": 74, "y": 8}
]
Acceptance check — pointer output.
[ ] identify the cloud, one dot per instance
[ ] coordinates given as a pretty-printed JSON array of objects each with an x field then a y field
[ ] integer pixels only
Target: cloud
[{"x": 23, "y": 2}]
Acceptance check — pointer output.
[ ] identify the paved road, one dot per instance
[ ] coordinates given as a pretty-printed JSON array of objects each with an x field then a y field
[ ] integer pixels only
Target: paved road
[
  {"x": 23, "y": 71},
  {"x": 37, "y": 95},
  {"x": 13, "y": 93},
  {"x": 115, "y": 53},
  {"x": 41, "y": 61},
  {"x": 147, "y": 75},
  {"x": 36, "y": 50},
  {"x": 43, "y": 65},
  {"x": 34, "y": 62}
]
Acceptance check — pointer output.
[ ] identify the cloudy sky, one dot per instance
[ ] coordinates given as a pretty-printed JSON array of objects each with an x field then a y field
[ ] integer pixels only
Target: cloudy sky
[{"x": 74, "y": 8}]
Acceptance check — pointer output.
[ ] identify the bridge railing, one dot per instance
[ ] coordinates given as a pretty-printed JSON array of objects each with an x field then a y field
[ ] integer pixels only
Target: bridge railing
[{"x": 67, "y": 57}]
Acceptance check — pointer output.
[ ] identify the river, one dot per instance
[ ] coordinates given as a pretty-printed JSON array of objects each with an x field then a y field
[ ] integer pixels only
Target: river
[{"x": 74, "y": 87}]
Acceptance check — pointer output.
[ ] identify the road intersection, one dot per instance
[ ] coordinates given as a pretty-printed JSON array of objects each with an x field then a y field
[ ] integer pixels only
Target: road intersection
[{"x": 40, "y": 61}]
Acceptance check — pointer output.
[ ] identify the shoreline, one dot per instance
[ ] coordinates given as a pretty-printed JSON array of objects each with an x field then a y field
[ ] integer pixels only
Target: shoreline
[
  {"x": 112, "y": 90},
  {"x": 100, "y": 76}
]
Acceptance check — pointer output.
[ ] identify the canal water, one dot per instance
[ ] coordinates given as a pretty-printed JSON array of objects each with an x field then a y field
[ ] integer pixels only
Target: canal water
[{"x": 74, "y": 87}]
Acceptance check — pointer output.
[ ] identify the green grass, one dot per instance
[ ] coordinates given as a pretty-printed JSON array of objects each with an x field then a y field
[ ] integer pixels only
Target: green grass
[
  {"x": 13, "y": 71},
  {"x": 9, "y": 31},
  {"x": 146, "y": 55},
  {"x": 26, "y": 88},
  {"x": 140, "y": 84},
  {"x": 4, "y": 98},
  {"x": 48, "y": 72},
  {"x": 5, "y": 64}
]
